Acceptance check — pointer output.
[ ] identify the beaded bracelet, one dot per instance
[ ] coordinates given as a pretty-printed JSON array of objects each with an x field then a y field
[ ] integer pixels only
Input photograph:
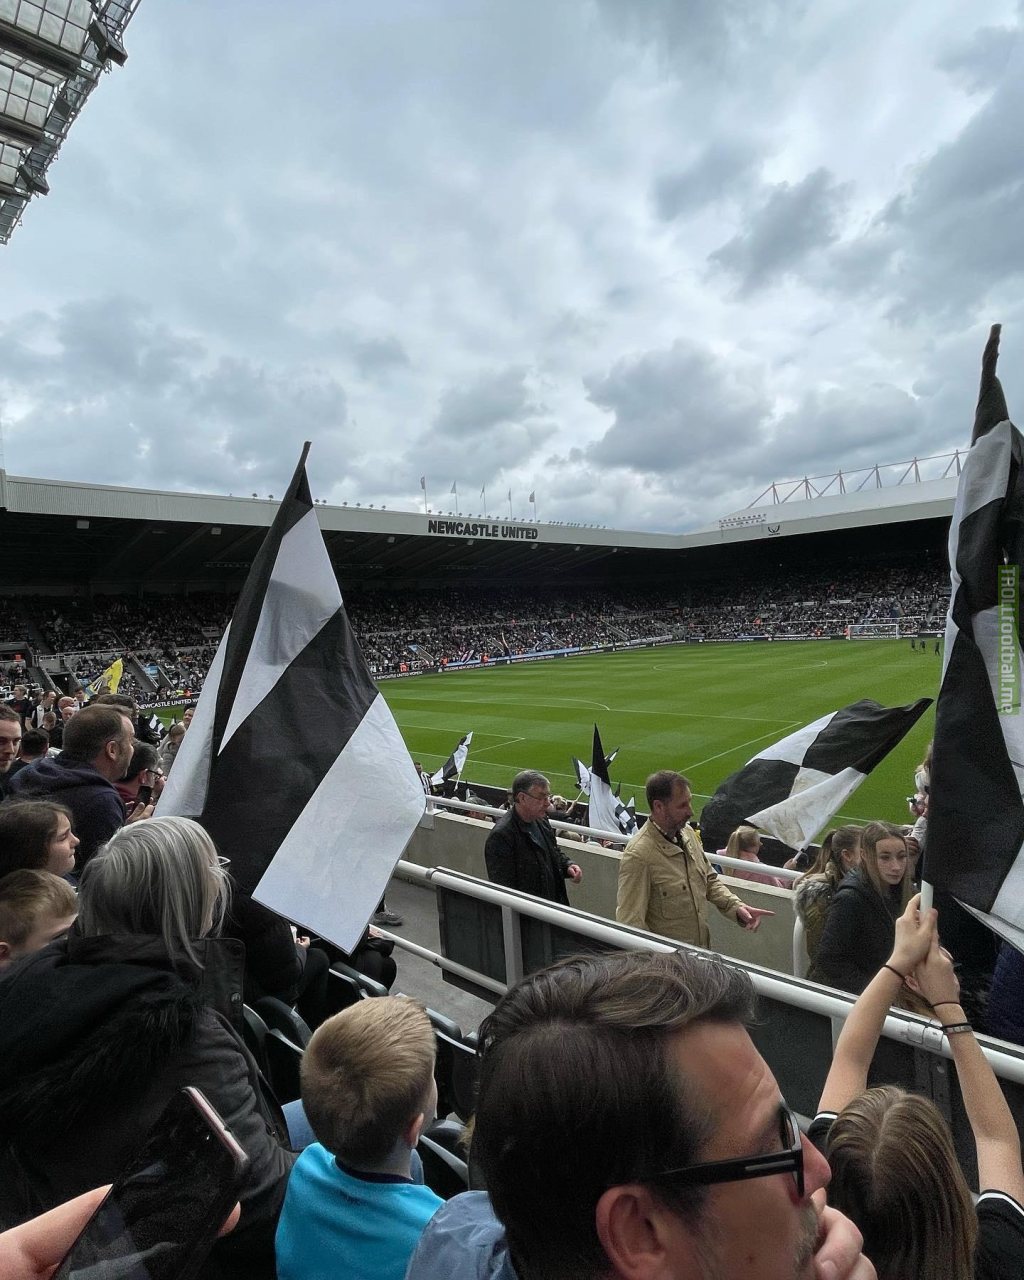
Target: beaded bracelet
[
  {"x": 902, "y": 976},
  {"x": 956, "y": 1028}
]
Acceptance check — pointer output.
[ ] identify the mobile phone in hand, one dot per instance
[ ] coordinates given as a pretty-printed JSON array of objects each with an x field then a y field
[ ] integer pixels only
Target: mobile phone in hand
[{"x": 161, "y": 1217}]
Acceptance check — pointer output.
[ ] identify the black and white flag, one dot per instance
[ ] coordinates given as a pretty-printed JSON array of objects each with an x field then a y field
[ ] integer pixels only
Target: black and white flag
[
  {"x": 453, "y": 766},
  {"x": 582, "y": 776},
  {"x": 975, "y": 841},
  {"x": 792, "y": 788},
  {"x": 583, "y": 773},
  {"x": 607, "y": 812},
  {"x": 293, "y": 761}
]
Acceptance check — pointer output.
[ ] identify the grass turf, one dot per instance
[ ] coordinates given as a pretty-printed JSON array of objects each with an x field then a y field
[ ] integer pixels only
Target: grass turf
[{"x": 701, "y": 709}]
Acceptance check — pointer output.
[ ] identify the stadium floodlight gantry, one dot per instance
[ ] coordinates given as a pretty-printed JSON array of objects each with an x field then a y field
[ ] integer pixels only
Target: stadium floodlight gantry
[{"x": 51, "y": 55}]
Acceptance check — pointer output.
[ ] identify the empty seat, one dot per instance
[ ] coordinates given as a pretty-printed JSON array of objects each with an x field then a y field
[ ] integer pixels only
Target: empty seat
[
  {"x": 445, "y": 1174},
  {"x": 367, "y": 986},
  {"x": 284, "y": 1060},
  {"x": 279, "y": 1016}
]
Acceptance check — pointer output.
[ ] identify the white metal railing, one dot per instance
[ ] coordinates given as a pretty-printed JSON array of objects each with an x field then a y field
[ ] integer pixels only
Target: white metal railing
[
  {"x": 617, "y": 837},
  {"x": 906, "y": 1028}
]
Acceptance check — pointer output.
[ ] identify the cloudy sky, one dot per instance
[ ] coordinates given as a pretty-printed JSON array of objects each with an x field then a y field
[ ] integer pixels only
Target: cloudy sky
[{"x": 641, "y": 256}]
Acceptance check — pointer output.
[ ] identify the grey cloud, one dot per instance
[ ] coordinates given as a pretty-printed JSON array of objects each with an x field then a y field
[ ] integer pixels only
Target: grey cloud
[
  {"x": 707, "y": 34},
  {"x": 793, "y": 222},
  {"x": 979, "y": 64},
  {"x": 486, "y": 402},
  {"x": 673, "y": 408},
  {"x": 121, "y": 397},
  {"x": 721, "y": 171},
  {"x": 380, "y": 356}
]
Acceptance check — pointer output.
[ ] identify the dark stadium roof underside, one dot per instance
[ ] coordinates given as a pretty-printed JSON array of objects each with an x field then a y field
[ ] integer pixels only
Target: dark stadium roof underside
[{"x": 43, "y": 553}]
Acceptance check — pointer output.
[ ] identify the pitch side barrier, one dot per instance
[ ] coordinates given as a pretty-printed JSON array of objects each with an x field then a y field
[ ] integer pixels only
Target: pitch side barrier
[
  {"x": 492, "y": 936},
  {"x": 615, "y": 838}
]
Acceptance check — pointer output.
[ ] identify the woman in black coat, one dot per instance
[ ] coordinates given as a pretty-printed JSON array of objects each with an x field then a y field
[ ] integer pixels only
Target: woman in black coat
[
  {"x": 861, "y": 923},
  {"x": 99, "y": 1031}
]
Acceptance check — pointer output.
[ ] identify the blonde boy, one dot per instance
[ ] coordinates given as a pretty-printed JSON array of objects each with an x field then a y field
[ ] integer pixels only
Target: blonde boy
[
  {"x": 35, "y": 908},
  {"x": 352, "y": 1209}
]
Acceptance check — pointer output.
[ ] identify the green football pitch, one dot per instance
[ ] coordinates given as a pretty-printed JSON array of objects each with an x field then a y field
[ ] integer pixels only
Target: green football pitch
[{"x": 701, "y": 709}]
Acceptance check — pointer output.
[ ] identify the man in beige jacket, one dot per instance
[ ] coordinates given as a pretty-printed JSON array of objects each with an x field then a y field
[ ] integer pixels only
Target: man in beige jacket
[{"x": 665, "y": 879}]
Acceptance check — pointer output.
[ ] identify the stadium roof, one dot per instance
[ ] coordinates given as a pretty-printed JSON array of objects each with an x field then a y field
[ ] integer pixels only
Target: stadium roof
[
  {"x": 65, "y": 535},
  {"x": 51, "y": 55}
]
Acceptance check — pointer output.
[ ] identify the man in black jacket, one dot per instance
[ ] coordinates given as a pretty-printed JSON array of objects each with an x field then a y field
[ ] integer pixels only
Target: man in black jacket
[{"x": 521, "y": 851}]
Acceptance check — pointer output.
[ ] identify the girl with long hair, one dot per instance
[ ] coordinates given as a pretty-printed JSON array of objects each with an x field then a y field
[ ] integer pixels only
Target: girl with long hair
[
  {"x": 861, "y": 922},
  {"x": 36, "y": 835},
  {"x": 838, "y": 856},
  {"x": 745, "y": 844}
]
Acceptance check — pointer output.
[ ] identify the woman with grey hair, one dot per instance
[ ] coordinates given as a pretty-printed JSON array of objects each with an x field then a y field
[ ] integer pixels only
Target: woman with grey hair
[{"x": 99, "y": 1031}]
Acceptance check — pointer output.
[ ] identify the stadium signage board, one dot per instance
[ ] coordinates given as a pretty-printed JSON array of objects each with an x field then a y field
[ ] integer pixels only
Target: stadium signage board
[{"x": 469, "y": 529}]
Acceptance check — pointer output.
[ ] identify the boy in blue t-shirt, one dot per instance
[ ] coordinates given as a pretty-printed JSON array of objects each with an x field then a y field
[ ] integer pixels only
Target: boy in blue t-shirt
[{"x": 351, "y": 1210}]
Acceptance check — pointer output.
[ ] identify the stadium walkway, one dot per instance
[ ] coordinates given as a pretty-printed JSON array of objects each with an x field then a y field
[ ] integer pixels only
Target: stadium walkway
[{"x": 418, "y": 977}]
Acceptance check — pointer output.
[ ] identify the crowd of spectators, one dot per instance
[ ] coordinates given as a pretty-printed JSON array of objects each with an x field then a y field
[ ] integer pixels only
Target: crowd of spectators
[
  {"x": 103, "y": 1018},
  {"x": 406, "y": 631}
]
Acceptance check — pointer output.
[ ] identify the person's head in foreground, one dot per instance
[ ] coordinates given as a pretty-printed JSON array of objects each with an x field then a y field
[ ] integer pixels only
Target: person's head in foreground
[
  {"x": 160, "y": 878},
  {"x": 612, "y": 1089},
  {"x": 368, "y": 1083},
  {"x": 895, "y": 1172},
  {"x": 35, "y": 908}
]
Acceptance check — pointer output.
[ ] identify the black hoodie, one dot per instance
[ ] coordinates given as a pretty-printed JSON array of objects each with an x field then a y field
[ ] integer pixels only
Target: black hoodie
[{"x": 96, "y": 1036}]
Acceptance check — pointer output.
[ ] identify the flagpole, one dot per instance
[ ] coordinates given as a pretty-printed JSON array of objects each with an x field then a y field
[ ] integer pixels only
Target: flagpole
[
  {"x": 510, "y": 504},
  {"x": 423, "y": 486},
  {"x": 483, "y": 496}
]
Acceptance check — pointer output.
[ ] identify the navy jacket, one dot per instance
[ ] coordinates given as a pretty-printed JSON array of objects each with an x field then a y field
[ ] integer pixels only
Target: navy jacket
[{"x": 97, "y": 811}]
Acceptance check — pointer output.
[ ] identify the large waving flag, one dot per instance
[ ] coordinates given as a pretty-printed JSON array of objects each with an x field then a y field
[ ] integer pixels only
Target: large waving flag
[
  {"x": 975, "y": 839},
  {"x": 456, "y": 762},
  {"x": 792, "y": 788},
  {"x": 293, "y": 762},
  {"x": 607, "y": 812}
]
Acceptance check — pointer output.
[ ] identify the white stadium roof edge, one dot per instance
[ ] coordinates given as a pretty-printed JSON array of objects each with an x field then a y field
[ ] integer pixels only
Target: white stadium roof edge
[{"x": 923, "y": 500}]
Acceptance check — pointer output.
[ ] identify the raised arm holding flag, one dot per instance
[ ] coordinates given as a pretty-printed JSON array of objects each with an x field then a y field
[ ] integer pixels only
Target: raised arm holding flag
[{"x": 975, "y": 836}]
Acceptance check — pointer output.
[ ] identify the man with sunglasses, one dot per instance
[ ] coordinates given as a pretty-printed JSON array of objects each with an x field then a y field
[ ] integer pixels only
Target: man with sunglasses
[
  {"x": 521, "y": 851},
  {"x": 627, "y": 1129}
]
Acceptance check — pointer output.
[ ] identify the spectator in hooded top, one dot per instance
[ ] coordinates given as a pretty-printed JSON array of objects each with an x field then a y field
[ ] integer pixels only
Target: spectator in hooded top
[{"x": 98, "y": 748}]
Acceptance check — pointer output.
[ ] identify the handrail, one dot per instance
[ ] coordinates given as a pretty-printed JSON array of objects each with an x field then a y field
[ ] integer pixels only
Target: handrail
[
  {"x": 906, "y": 1028},
  {"x": 720, "y": 859}
]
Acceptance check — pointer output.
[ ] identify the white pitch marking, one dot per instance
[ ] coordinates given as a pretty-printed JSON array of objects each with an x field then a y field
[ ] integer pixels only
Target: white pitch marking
[
  {"x": 749, "y": 743},
  {"x": 507, "y": 743}
]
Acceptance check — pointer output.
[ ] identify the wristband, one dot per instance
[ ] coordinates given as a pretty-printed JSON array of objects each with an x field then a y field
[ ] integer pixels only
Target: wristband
[
  {"x": 902, "y": 976},
  {"x": 939, "y": 1003},
  {"x": 956, "y": 1028}
]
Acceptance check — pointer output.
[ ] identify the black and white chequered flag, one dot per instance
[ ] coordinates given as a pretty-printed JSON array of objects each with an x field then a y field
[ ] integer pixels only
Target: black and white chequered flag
[
  {"x": 293, "y": 761},
  {"x": 792, "y": 788},
  {"x": 975, "y": 841}
]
